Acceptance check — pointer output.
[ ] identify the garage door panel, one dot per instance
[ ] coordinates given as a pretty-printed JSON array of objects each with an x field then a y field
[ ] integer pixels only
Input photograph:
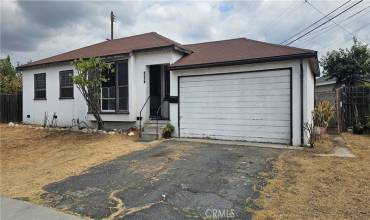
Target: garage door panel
[
  {"x": 237, "y": 76},
  {"x": 251, "y": 134},
  {"x": 239, "y": 138},
  {"x": 232, "y": 121},
  {"x": 240, "y": 82},
  {"x": 210, "y": 104},
  {"x": 238, "y": 110},
  {"x": 223, "y": 116},
  {"x": 238, "y": 127},
  {"x": 249, "y": 99},
  {"x": 237, "y": 93},
  {"x": 240, "y": 106}
]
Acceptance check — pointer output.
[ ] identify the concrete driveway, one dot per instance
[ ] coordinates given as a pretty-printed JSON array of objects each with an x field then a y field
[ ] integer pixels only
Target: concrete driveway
[{"x": 173, "y": 180}]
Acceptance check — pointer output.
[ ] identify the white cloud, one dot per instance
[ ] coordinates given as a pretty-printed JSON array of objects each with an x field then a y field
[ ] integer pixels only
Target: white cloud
[{"x": 25, "y": 34}]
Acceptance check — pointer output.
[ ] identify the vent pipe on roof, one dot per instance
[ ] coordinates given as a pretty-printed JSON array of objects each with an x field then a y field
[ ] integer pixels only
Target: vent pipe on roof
[{"x": 112, "y": 19}]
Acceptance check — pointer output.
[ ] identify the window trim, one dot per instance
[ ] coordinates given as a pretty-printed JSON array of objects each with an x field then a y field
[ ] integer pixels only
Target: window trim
[
  {"x": 101, "y": 102},
  {"x": 34, "y": 87},
  {"x": 128, "y": 88},
  {"x": 117, "y": 110},
  {"x": 60, "y": 85}
]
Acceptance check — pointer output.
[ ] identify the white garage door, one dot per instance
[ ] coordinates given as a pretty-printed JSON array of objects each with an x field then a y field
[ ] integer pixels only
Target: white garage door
[{"x": 249, "y": 106}]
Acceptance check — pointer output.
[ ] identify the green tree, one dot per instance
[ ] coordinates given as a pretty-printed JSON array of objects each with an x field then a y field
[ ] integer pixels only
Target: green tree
[
  {"x": 347, "y": 65},
  {"x": 10, "y": 80},
  {"x": 89, "y": 82}
]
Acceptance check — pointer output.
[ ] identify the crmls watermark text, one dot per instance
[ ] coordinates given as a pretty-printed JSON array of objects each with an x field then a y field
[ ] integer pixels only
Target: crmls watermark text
[{"x": 219, "y": 213}]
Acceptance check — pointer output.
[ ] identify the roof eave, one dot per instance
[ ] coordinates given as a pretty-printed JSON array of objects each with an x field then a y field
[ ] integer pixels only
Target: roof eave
[
  {"x": 175, "y": 47},
  {"x": 246, "y": 61}
]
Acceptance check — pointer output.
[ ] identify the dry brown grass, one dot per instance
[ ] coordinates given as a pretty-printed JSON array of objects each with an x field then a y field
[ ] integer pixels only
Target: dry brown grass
[
  {"x": 31, "y": 159},
  {"x": 312, "y": 187}
]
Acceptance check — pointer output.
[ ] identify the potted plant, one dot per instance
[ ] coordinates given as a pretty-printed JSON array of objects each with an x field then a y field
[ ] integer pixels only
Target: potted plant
[
  {"x": 323, "y": 112},
  {"x": 167, "y": 130}
]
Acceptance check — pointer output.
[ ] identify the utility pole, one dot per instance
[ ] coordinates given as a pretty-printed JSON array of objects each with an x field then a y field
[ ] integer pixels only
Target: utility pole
[{"x": 112, "y": 18}]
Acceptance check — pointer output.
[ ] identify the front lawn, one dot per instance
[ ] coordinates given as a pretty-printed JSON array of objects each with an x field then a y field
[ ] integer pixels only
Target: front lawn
[
  {"x": 312, "y": 187},
  {"x": 32, "y": 158}
]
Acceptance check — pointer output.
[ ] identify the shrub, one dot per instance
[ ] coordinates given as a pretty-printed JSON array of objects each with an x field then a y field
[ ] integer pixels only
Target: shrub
[
  {"x": 167, "y": 130},
  {"x": 323, "y": 112}
]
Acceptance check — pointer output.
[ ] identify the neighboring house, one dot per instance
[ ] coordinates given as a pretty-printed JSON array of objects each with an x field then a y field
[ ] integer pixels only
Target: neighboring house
[
  {"x": 236, "y": 89},
  {"x": 325, "y": 90}
]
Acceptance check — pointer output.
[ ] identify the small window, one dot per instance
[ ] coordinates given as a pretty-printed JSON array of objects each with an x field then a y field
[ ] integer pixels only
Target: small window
[
  {"x": 40, "y": 85},
  {"x": 66, "y": 84}
]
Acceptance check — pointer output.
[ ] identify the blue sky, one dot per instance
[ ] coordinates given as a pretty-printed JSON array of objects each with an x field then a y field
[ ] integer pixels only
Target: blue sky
[{"x": 37, "y": 29}]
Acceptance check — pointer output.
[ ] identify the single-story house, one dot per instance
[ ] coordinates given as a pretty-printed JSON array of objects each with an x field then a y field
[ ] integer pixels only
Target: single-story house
[{"x": 237, "y": 89}]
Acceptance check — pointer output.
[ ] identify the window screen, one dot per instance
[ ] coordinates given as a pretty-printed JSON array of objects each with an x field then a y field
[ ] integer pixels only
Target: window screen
[
  {"x": 108, "y": 91},
  {"x": 66, "y": 84},
  {"x": 122, "y": 84},
  {"x": 40, "y": 85}
]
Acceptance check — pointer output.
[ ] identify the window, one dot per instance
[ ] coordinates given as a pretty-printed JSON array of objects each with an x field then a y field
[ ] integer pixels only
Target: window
[
  {"x": 115, "y": 89},
  {"x": 122, "y": 84},
  {"x": 40, "y": 85},
  {"x": 66, "y": 84}
]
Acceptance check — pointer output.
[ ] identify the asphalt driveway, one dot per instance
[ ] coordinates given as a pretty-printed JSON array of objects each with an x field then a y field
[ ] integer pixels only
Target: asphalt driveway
[{"x": 173, "y": 180}]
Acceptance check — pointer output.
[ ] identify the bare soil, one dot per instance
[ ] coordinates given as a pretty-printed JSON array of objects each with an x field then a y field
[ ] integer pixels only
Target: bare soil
[
  {"x": 311, "y": 187},
  {"x": 32, "y": 158}
]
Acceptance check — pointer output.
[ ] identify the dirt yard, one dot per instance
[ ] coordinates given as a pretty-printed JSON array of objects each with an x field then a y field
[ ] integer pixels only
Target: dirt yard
[
  {"x": 32, "y": 158},
  {"x": 311, "y": 187}
]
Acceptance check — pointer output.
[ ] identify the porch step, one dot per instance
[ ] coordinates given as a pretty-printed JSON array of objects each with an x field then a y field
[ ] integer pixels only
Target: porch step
[
  {"x": 160, "y": 122},
  {"x": 146, "y": 136},
  {"x": 150, "y": 130}
]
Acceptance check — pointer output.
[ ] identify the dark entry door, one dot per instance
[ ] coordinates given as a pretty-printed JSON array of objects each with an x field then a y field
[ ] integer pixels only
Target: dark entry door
[{"x": 155, "y": 90}]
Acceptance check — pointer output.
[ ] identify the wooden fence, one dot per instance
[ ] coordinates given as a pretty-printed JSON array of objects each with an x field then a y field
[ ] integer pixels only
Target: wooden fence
[{"x": 11, "y": 108}]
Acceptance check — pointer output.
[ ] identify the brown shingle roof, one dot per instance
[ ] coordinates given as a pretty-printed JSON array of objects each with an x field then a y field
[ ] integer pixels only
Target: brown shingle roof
[
  {"x": 225, "y": 52},
  {"x": 236, "y": 50},
  {"x": 118, "y": 46}
]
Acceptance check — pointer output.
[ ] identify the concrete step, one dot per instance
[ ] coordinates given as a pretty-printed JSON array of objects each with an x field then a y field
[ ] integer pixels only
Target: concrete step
[
  {"x": 160, "y": 122},
  {"x": 153, "y": 129},
  {"x": 149, "y": 136}
]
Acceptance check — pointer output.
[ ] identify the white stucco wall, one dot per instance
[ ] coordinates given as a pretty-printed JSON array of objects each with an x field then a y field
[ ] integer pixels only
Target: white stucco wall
[
  {"x": 294, "y": 64},
  {"x": 65, "y": 109},
  {"x": 141, "y": 64},
  {"x": 68, "y": 109},
  {"x": 309, "y": 95}
]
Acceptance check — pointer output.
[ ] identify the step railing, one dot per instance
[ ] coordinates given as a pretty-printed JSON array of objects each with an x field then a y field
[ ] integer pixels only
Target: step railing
[{"x": 141, "y": 118}]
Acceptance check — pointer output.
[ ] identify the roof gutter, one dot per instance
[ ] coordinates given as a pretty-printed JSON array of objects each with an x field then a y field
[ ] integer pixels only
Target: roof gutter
[{"x": 246, "y": 61}]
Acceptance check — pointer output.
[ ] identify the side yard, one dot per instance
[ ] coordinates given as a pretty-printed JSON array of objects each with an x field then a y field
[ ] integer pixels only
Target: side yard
[
  {"x": 32, "y": 158},
  {"x": 312, "y": 187}
]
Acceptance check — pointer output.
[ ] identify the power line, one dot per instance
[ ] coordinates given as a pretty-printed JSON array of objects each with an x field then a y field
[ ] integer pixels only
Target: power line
[
  {"x": 303, "y": 30},
  {"x": 343, "y": 28},
  {"x": 325, "y": 22},
  {"x": 287, "y": 10},
  {"x": 330, "y": 44},
  {"x": 327, "y": 28}
]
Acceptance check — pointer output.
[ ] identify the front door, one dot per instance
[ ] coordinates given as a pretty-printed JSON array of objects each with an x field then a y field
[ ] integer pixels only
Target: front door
[{"x": 155, "y": 90}]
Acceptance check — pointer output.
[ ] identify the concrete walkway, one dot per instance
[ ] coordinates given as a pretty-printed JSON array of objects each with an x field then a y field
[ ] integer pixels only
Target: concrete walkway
[
  {"x": 11, "y": 209},
  {"x": 340, "y": 149}
]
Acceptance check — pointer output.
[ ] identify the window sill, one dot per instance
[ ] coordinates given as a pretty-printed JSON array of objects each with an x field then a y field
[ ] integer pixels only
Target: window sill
[
  {"x": 39, "y": 99},
  {"x": 66, "y": 97}
]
